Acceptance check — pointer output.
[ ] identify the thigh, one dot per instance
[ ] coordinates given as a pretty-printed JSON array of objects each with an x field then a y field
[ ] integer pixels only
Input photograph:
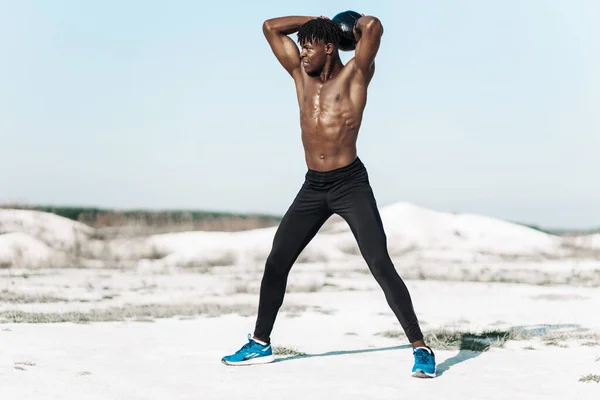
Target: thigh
[
  {"x": 357, "y": 205},
  {"x": 305, "y": 216}
]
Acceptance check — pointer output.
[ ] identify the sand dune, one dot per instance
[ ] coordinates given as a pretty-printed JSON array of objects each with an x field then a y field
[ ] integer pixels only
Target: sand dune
[{"x": 34, "y": 239}]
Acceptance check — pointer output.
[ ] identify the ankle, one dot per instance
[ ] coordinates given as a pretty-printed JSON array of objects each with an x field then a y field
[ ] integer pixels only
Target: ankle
[{"x": 259, "y": 341}]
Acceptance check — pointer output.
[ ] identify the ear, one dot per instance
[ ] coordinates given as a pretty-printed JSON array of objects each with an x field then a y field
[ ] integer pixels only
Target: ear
[{"x": 329, "y": 48}]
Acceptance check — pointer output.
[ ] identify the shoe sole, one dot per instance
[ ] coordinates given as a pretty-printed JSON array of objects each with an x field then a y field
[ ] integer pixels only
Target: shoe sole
[
  {"x": 421, "y": 374},
  {"x": 252, "y": 361}
]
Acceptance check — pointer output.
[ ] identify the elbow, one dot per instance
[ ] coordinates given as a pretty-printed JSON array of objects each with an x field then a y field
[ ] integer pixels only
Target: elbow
[
  {"x": 374, "y": 26},
  {"x": 267, "y": 27}
]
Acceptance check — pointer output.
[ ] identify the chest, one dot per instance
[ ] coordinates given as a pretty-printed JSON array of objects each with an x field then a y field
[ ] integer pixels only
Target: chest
[{"x": 321, "y": 96}]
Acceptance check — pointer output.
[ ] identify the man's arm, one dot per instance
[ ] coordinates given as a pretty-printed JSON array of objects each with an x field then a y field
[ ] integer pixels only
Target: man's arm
[
  {"x": 276, "y": 31},
  {"x": 367, "y": 32}
]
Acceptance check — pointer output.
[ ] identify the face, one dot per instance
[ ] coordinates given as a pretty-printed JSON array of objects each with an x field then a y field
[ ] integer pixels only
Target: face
[{"x": 314, "y": 55}]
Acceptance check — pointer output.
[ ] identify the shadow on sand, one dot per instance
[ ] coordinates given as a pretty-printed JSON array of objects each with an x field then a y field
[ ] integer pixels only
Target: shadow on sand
[
  {"x": 341, "y": 353},
  {"x": 463, "y": 355},
  {"x": 469, "y": 345}
]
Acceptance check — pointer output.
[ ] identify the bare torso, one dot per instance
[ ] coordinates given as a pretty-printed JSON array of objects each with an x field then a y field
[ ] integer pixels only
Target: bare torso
[
  {"x": 330, "y": 118},
  {"x": 332, "y": 96}
]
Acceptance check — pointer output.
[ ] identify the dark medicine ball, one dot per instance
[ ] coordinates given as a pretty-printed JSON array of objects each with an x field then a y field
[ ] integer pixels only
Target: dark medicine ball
[{"x": 346, "y": 21}]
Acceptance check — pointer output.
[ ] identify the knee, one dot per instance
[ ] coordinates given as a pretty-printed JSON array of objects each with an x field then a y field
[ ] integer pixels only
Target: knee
[
  {"x": 276, "y": 264},
  {"x": 380, "y": 264}
]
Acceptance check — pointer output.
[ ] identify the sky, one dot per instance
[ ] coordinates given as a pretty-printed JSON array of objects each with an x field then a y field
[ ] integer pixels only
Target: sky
[{"x": 479, "y": 107}]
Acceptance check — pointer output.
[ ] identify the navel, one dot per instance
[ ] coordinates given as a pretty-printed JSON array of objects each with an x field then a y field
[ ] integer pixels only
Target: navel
[{"x": 337, "y": 98}]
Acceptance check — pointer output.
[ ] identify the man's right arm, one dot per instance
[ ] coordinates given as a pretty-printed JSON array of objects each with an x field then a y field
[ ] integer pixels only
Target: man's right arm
[{"x": 276, "y": 31}]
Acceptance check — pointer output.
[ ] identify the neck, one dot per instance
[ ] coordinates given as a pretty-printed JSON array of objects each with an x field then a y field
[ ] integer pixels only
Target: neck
[{"x": 333, "y": 65}]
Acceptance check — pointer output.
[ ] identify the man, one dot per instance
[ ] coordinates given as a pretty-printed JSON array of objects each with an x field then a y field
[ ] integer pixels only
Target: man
[{"x": 332, "y": 97}]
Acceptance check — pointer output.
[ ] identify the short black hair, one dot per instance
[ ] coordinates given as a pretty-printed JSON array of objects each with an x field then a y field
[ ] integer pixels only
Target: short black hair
[{"x": 320, "y": 29}]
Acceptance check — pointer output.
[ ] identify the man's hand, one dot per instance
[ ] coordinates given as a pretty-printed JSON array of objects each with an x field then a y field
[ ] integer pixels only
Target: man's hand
[{"x": 356, "y": 30}]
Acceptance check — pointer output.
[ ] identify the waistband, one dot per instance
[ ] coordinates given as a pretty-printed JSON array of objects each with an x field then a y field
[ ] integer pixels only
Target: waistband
[{"x": 335, "y": 174}]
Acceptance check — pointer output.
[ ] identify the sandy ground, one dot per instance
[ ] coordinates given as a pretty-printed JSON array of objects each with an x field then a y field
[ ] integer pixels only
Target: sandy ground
[
  {"x": 180, "y": 360},
  {"x": 340, "y": 326}
]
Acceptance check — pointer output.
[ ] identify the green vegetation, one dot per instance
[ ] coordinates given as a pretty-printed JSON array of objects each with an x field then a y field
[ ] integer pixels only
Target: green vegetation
[
  {"x": 157, "y": 219},
  {"x": 93, "y": 214}
]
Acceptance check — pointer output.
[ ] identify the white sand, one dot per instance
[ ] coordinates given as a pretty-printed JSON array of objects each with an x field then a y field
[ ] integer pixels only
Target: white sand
[
  {"x": 334, "y": 311},
  {"x": 180, "y": 359}
]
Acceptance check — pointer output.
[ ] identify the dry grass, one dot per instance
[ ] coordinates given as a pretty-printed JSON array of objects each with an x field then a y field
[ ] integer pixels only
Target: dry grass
[
  {"x": 310, "y": 287},
  {"x": 7, "y": 296},
  {"x": 144, "y": 287},
  {"x": 560, "y": 339},
  {"x": 392, "y": 334},
  {"x": 244, "y": 288},
  {"x": 112, "y": 225},
  {"x": 228, "y": 258},
  {"x": 587, "y": 278},
  {"x": 590, "y": 378},
  {"x": 285, "y": 351},
  {"x": 555, "y": 343},
  {"x": 143, "y": 319},
  {"x": 446, "y": 339},
  {"x": 24, "y": 275},
  {"x": 26, "y": 363},
  {"x": 135, "y": 222},
  {"x": 22, "y": 365},
  {"x": 145, "y": 313},
  {"x": 456, "y": 340}
]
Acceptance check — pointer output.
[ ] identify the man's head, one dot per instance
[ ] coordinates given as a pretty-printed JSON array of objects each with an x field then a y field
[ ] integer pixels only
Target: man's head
[{"x": 319, "y": 39}]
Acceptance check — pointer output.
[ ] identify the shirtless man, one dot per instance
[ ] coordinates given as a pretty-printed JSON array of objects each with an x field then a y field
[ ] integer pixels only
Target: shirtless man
[{"x": 332, "y": 97}]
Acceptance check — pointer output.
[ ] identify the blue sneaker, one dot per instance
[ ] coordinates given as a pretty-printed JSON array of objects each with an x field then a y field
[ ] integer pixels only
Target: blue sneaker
[
  {"x": 250, "y": 354},
  {"x": 424, "y": 363}
]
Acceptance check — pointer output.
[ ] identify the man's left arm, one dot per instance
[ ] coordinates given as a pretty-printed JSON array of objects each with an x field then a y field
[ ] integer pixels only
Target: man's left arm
[{"x": 367, "y": 32}]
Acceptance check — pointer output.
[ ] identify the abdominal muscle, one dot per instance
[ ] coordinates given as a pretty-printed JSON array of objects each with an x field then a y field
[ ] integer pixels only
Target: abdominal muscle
[{"x": 329, "y": 137}]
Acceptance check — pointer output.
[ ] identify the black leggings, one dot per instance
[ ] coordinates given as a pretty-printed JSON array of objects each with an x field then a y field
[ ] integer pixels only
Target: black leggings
[{"x": 347, "y": 192}]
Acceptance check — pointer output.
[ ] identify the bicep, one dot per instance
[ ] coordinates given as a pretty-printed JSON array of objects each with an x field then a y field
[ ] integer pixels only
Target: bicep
[{"x": 285, "y": 50}]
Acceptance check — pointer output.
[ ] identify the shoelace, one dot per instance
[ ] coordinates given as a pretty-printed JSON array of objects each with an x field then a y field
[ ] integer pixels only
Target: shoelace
[
  {"x": 246, "y": 346},
  {"x": 422, "y": 356}
]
